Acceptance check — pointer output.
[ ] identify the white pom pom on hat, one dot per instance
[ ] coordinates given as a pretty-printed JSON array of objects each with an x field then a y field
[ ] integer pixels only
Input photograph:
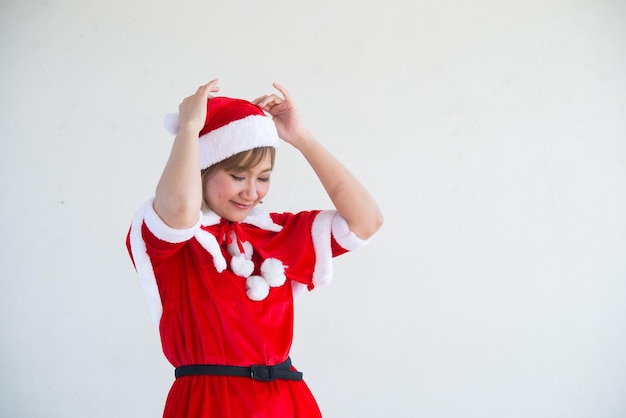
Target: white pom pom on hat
[
  {"x": 232, "y": 126},
  {"x": 170, "y": 121}
]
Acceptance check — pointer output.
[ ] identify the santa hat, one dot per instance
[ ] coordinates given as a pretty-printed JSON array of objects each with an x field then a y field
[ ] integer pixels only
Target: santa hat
[{"x": 232, "y": 126}]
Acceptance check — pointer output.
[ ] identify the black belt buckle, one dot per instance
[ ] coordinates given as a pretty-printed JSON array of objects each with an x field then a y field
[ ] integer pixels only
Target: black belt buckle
[{"x": 263, "y": 373}]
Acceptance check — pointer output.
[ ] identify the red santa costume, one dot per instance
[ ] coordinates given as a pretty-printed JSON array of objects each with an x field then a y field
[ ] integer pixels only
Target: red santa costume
[{"x": 222, "y": 293}]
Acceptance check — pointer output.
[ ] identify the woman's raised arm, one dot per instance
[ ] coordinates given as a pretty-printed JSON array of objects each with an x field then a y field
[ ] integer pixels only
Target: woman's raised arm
[
  {"x": 178, "y": 197},
  {"x": 349, "y": 196}
]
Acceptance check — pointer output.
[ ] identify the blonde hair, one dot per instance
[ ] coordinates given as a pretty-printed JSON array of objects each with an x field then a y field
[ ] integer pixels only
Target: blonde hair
[{"x": 239, "y": 162}]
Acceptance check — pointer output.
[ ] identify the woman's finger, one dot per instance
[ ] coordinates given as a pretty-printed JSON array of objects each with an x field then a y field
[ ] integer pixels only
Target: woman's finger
[
  {"x": 210, "y": 87},
  {"x": 282, "y": 91},
  {"x": 269, "y": 101},
  {"x": 258, "y": 100}
]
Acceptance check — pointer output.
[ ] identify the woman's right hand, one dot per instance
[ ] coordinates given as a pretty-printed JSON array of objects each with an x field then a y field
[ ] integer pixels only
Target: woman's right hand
[
  {"x": 178, "y": 197},
  {"x": 192, "y": 110}
]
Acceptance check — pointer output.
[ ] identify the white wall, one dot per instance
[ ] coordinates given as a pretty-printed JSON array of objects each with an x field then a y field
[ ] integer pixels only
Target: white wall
[{"x": 493, "y": 134}]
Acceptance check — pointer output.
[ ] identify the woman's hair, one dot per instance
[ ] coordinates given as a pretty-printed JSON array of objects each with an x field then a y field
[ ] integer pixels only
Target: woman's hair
[{"x": 239, "y": 162}]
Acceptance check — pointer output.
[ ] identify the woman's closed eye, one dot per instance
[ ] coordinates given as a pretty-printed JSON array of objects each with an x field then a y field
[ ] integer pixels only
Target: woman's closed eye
[{"x": 241, "y": 177}]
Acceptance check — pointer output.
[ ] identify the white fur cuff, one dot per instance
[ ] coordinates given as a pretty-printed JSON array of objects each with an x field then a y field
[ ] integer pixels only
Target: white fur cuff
[
  {"x": 344, "y": 237},
  {"x": 165, "y": 232}
]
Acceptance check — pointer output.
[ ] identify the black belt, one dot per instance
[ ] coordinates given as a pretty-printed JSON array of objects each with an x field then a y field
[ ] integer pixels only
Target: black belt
[{"x": 262, "y": 373}]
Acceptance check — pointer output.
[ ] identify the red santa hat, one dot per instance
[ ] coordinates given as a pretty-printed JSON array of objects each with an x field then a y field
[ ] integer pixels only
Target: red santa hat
[{"x": 232, "y": 126}]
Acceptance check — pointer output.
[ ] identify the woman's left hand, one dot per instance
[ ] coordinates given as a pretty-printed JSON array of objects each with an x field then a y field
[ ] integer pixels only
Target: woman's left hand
[
  {"x": 284, "y": 114},
  {"x": 350, "y": 197}
]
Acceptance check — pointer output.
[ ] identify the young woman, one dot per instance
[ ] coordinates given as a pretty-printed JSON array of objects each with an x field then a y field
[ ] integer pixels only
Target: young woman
[{"x": 220, "y": 275}]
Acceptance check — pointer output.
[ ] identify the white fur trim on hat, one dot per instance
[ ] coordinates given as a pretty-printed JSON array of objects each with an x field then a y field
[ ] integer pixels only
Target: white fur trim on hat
[{"x": 251, "y": 132}]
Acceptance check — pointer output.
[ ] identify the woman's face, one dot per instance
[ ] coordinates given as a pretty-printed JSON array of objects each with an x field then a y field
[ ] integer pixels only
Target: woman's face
[{"x": 232, "y": 194}]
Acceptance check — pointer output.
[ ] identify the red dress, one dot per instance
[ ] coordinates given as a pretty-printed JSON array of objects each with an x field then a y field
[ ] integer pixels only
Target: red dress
[{"x": 205, "y": 315}]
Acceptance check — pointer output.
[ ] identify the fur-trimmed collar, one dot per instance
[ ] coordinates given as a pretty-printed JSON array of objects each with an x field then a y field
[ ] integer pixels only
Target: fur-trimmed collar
[{"x": 256, "y": 217}]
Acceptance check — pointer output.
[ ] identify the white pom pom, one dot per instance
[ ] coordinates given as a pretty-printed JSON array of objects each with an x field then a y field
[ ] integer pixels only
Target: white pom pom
[
  {"x": 233, "y": 249},
  {"x": 257, "y": 288},
  {"x": 241, "y": 267},
  {"x": 247, "y": 249},
  {"x": 273, "y": 272},
  {"x": 171, "y": 123}
]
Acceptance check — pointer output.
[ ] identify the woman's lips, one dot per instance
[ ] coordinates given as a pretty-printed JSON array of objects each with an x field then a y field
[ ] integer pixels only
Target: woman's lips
[{"x": 241, "y": 205}]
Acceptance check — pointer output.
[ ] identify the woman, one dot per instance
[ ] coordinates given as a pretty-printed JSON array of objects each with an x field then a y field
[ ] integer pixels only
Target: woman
[{"x": 219, "y": 274}]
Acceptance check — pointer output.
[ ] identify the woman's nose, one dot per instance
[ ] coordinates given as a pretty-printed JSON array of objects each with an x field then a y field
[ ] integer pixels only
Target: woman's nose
[{"x": 250, "y": 192}]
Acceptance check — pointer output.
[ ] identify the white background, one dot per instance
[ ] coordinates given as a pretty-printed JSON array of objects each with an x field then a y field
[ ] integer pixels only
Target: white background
[{"x": 493, "y": 134}]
